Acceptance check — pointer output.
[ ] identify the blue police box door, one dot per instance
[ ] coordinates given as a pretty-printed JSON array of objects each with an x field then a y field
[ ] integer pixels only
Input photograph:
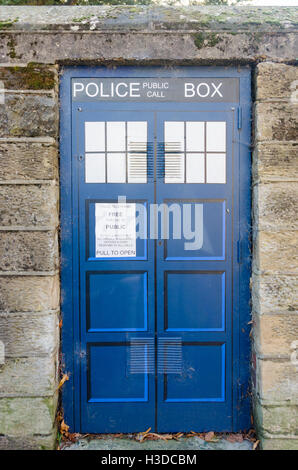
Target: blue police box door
[{"x": 155, "y": 204}]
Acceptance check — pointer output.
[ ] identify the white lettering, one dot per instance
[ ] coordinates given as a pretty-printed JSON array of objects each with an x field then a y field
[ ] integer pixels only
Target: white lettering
[
  {"x": 88, "y": 93},
  {"x": 102, "y": 95},
  {"x": 216, "y": 90},
  {"x": 134, "y": 89},
  {"x": 118, "y": 92},
  {"x": 77, "y": 86},
  {"x": 189, "y": 90},
  {"x": 207, "y": 90}
]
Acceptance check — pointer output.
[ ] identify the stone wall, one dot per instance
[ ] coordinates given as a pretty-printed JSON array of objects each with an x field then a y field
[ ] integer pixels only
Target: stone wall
[
  {"x": 29, "y": 265},
  {"x": 275, "y": 268},
  {"x": 34, "y": 43}
]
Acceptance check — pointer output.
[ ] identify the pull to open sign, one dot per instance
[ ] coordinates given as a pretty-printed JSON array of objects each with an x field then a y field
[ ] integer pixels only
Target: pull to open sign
[{"x": 156, "y": 89}]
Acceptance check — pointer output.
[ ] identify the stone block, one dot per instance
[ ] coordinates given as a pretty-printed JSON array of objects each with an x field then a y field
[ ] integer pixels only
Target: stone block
[
  {"x": 274, "y": 334},
  {"x": 277, "y": 420},
  {"x": 274, "y": 294},
  {"x": 28, "y": 161},
  {"x": 277, "y": 382},
  {"x": 27, "y": 416},
  {"x": 275, "y": 206},
  {"x": 29, "y": 334},
  {"x": 277, "y": 81},
  {"x": 275, "y": 252},
  {"x": 25, "y": 115},
  {"x": 276, "y": 121},
  {"x": 32, "y": 77},
  {"x": 29, "y": 205},
  {"x": 275, "y": 162},
  {"x": 29, "y": 376},
  {"x": 279, "y": 443},
  {"x": 34, "y": 293},
  {"x": 29, "y": 442},
  {"x": 28, "y": 251}
]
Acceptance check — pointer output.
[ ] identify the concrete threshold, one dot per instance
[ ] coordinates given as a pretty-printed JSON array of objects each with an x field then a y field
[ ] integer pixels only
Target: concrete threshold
[{"x": 189, "y": 443}]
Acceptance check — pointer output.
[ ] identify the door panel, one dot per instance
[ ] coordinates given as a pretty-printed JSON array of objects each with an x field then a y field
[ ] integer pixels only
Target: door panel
[
  {"x": 116, "y": 285},
  {"x": 194, "y": 277}
]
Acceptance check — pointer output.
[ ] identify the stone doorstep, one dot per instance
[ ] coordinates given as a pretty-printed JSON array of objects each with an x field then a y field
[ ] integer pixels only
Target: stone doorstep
[{"x": 190, "y": 443}]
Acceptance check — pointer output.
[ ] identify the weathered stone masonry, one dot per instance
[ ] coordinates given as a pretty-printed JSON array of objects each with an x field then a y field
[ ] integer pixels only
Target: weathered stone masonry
[
  {"x": 34, "y": 43},
  {"x": 29, "y": 280},
  {"x": 274, "y": 278}
]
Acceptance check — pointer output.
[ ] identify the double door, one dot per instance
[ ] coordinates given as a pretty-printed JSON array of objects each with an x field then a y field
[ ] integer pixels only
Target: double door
[{"x": 153, "y": 204}]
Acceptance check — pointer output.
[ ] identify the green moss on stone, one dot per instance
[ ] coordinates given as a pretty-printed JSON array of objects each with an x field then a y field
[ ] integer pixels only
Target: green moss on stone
[
  {"x": 37, "y": 77},
  {"x": 7, "y": 24},
  {"x": 51, "y": 406},
  {"x": 199, "y": 40},
  {"x": 80, "y": 20},
  {"x": 11, "y": 43},
  {"x": 206, "y": 40},
  {"x": 32, "y": 77}
]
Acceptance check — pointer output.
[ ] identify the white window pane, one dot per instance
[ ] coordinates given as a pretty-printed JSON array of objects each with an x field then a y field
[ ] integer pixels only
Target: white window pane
[
  {"x": 216, "y": 168},
  {"x": 116, "y": 136},
  {"x": 116, "y": 168},
  {"x": 95, "y": 168},
  {"x": 195, "y": 136},
  {"x": 174, "y": 136},
  {"x": 216, "y": 136},
  {"x": 174, "y": 168},
  {"x": 137, "y": 136},
  {"x": 137, "y": 168},
  {"x": 94, "y": 136},
  {"x": 195, "y": 168}
]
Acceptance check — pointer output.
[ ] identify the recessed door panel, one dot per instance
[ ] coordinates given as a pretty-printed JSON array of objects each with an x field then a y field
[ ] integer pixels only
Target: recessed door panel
[
  {"x": 109, "y": 379},
  {"x": 202, "y": 378},
  {"x": 123, "y": 293},
  {"x": 209, "y": 288},
  {"x": 201, "y": 234}
]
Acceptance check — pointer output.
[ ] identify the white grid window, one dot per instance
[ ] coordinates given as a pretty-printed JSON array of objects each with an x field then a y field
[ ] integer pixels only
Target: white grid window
[
  {"x": 116, "y": 152},
  {"x": 195, "y": 152}
]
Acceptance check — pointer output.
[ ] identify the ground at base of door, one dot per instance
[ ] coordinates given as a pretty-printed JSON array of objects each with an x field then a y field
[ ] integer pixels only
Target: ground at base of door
[{"x": 191, "y": 443}]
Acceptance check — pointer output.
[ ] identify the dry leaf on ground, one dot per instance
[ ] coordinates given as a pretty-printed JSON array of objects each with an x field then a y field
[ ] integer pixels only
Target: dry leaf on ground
[
  {"x": 63, "y": 380},
  {"x": 63, "y": 427},
  {"x": 234, "y": 437},
  {"x": 254, "y": 447},
  {"x": 209, "y": 436}
]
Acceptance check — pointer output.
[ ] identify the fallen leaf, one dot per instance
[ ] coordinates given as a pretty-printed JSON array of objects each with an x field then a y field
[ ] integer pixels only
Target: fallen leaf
[
  {"x": 251, "y": 435},
  {"x": 177, "y": 436},
  {"x": 60, "y": 323},
  {"x": 255, "y": 445},
  {"x": 209, "y": 436},
  {"x": 63, "y": 427},
  {"x": 62, "y": 381},
  {"x": 141, "y": 436},
  {"x": 73, "y": 437},
  {"x": 154, "y": 436},
  {"x": 234, "y": 437},
  {"x": 146, "y": 432}
]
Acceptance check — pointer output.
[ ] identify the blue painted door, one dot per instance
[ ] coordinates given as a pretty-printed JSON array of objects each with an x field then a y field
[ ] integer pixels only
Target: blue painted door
[
  {"x": 116, "y": 291},
  {"x": 155, "y": 324},
  {"x": 194, "y": 278}
]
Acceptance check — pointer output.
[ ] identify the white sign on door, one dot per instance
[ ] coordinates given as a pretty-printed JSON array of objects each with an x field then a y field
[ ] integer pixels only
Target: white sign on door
[{"x": 115, "y": 230}]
